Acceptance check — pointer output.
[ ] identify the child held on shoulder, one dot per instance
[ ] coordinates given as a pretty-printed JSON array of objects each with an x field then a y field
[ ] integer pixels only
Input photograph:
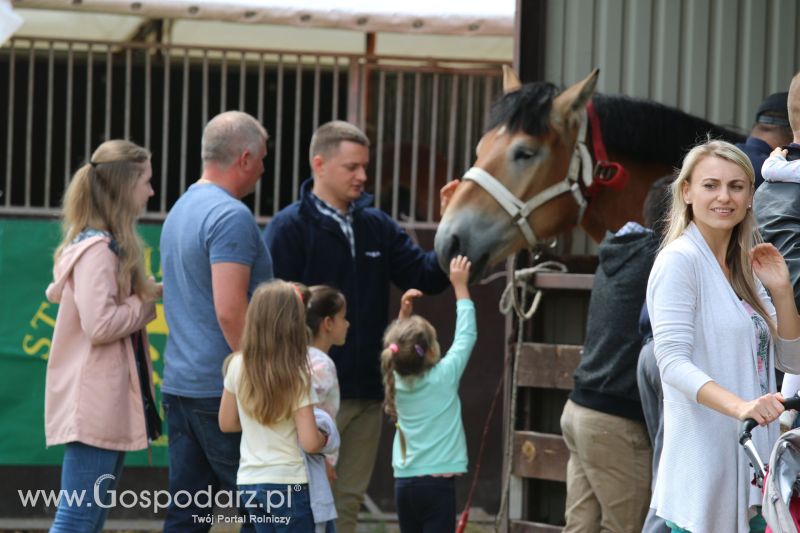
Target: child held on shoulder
[
  {"x": 269, "y": 398},
  {"x": 778, "y": 168},
  {"x": 422, "y": 398},
  {"x": 783, "y": 165}
]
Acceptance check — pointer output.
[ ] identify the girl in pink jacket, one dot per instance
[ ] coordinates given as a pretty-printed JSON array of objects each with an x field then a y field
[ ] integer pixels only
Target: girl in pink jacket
[{"x": 99, "y": 390}]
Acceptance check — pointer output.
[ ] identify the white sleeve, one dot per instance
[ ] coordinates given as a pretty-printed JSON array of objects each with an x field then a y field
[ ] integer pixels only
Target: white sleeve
[
  {"x": 777, "y": 168},
  {"x": 791, "y": 384},
  {"x": 231, "y": 380},
  {"x": 672, "y": 304}
]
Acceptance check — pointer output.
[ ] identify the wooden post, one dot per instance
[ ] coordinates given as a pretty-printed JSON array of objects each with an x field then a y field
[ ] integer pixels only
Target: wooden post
[{"x": 530, "y": 26}]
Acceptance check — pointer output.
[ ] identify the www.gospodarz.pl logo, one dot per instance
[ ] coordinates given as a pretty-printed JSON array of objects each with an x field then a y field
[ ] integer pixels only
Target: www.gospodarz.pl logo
[{"x": 157, "y": 500}]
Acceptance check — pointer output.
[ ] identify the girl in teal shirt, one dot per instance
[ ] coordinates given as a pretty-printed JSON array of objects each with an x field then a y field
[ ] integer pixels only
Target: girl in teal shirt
[{"x": 422, "y": 398}]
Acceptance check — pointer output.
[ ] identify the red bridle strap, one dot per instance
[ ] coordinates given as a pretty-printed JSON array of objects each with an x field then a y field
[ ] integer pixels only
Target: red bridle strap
[{"x": 607, "y": 174}]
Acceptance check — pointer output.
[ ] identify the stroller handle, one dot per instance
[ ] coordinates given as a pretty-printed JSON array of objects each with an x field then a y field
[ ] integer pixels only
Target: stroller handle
[{"x": 748, "y": 424}]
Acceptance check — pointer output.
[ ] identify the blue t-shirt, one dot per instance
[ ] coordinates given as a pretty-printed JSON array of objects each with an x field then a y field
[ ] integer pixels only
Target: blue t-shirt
[{"x": 205, "y": 226}]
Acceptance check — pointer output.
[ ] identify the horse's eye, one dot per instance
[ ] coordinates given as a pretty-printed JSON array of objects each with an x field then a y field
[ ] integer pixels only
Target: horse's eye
[{"x": 523, "y": 154}]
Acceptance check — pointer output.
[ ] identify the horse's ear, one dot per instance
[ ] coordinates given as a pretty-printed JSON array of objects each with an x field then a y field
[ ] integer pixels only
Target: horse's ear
[
  {"x": 511, "y": 82},
  {"x": 574, "y": 98}
]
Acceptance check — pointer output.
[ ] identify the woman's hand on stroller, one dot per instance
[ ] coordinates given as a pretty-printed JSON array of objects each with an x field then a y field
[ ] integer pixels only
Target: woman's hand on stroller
[{"x": 763, "y": 409}]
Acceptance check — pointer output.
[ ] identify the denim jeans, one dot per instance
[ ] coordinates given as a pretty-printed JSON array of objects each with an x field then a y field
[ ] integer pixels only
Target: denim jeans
[
  {"x": 278, "y": 508},
  {"x": 425, "y": 504},
  {"x": 648, "y": 379},
  {"x": 201, "y": 458},
  {"x": 83, "y": 466}
]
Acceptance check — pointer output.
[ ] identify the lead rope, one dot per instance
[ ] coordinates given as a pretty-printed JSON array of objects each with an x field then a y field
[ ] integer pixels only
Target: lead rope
[
  {"x": 519, "y": 280},
  {"x": 509, "y": 301}
]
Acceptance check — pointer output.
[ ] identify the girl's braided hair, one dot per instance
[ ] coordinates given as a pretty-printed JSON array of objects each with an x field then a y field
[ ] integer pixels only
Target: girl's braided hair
[{"x": 406, "y": 343}]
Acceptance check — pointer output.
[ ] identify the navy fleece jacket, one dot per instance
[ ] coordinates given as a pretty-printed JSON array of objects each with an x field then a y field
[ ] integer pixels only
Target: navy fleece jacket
[{"x": 309, "y": 247}]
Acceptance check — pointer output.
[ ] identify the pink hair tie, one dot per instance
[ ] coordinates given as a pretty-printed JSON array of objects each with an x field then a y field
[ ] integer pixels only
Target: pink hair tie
[
  {"x": 298, "y": 293},
  {"x": 393, "y": 348}
]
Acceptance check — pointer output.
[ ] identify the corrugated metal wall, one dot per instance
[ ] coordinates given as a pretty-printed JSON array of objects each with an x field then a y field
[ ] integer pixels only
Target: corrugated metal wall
[{"x": 712, "y": 58}]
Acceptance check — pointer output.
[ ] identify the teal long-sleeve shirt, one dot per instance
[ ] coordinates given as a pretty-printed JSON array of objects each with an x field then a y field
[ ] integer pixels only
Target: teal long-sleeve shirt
[{"x": 429, "y": 410}]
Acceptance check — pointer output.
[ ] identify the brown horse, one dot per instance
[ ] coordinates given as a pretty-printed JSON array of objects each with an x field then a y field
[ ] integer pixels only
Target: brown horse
[{"x": 541, "y": 168}]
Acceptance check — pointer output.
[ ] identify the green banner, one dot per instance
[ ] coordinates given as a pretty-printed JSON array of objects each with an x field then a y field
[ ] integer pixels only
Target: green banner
[{"x": 26, "y": 329}]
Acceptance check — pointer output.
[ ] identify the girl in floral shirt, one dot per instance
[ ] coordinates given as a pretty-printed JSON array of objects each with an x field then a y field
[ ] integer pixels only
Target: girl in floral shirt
[{"x": 325, "y": 317}]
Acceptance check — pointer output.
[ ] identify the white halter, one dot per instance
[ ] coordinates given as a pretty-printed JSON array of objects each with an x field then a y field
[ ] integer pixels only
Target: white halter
[{"x": 580, "y": 169}]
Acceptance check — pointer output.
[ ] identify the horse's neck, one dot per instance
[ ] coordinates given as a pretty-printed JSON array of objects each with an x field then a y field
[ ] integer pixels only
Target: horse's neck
[
  {"x": 629, "y": 132},
  {"x": 647, "y": 153},
  {"x": 609, "y": 210}
]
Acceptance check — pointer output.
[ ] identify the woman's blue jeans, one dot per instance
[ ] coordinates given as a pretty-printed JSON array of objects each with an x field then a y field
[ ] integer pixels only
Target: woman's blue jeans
[{"x": 88, "y": 474}]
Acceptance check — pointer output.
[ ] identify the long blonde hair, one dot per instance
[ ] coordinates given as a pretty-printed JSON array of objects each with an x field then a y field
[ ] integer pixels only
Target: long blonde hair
[
  {"x": 745, "y": 234},
  {"x": 101, "y": 196},
  {"x": 406, "y": 343},
  {"x": 275, "y": 373}
]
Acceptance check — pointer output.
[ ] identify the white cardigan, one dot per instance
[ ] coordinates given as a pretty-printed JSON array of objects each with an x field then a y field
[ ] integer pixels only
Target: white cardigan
[{"x": 702, "y": 333}]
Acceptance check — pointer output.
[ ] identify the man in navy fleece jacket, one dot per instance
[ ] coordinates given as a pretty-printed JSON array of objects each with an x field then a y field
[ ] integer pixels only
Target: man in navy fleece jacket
[{"x": 332, "y": 235}]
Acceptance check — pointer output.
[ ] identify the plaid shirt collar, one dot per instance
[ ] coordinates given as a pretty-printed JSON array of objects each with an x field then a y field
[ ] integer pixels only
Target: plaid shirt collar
[
  {"x": 631, "y": 227},
  {"x": 345, "y": 221}
]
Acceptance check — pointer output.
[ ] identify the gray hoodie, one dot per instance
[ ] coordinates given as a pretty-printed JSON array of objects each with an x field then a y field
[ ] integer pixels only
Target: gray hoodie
[{"x": 605, "y": 379}]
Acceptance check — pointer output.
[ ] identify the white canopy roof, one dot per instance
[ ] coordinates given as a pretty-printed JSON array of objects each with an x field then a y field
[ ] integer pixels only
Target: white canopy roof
[
  {"x": 443, "y": 17},
  {"x": 9, "y": 21}
]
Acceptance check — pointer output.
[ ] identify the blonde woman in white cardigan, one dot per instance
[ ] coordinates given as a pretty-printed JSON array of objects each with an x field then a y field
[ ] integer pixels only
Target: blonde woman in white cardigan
[{"x": 718, "y": 337}]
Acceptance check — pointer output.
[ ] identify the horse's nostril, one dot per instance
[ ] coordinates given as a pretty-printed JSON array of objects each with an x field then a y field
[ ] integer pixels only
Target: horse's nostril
[{"x": 455, "y": 245}]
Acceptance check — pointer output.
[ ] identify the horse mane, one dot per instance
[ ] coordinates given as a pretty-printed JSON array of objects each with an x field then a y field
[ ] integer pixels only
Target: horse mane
[
  {"x": 640, "y": 129},
  {"x": 526, "y": 109},
  {"x": 649, "y": 131}
]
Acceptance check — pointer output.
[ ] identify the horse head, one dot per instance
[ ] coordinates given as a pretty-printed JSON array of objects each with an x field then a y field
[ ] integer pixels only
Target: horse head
[{"x": 520, "y": 190}]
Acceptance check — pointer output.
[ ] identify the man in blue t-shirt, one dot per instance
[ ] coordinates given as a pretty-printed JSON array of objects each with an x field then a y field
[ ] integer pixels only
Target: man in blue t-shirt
[{"x": 212, "y": 258}]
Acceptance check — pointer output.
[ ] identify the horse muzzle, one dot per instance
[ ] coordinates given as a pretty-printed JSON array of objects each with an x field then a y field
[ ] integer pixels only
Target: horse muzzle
[{"x": 469, "y": 235}]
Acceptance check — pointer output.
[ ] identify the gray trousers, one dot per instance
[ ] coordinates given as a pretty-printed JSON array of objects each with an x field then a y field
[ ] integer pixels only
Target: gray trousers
[{"x": 649, "y": 381}]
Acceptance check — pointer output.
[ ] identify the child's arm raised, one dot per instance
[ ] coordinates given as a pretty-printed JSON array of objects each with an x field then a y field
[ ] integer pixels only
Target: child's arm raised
[
  {"x": 459, "y": 276},
  {"x": 466, "y": 327},
  {"x": 229, "y": 414},
  {"x": 312, "y": 440},
  {"x": 407, "y": 303}
]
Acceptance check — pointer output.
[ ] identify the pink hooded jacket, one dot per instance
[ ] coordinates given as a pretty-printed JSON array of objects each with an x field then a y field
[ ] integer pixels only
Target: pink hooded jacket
[{"x": 92, "y": 393}]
